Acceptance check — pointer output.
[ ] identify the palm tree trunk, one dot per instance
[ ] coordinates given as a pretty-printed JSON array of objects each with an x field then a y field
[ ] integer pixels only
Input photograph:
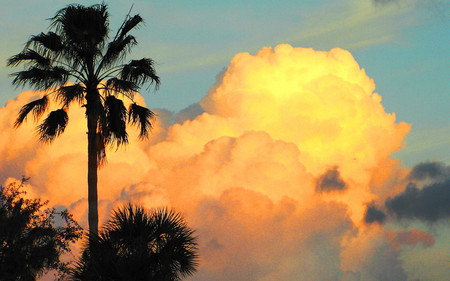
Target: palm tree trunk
[{"x": 92, "y": 174}]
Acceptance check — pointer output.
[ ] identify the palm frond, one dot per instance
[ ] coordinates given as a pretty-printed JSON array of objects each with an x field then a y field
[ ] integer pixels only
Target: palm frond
[
  {"x": 53, "y": 126},
  {"x": 41, "y": 79},
  {"x": 122, "y": 42},
  {"x": 82, "y": 24},
  {"x": 38, "y": 107},
  {"x": 140, "y": 72},
  {"x": 68, "y": 94},
  {"x": 101, "y": 149},
  {"x": 118, "y": 48},
  {"x": 125, "y": 220},
  {"x": 124, "y": 87},
  {"x": 116, "y": 116},
  {"x": 174, "y": 240},
  {"x": 129, "y": 24},
  {"x": 136, "y": 244},
  {"x": 29, "y": 56},
  {"x": 141, "y": 116},
  {"x": 46, "y": 43}
]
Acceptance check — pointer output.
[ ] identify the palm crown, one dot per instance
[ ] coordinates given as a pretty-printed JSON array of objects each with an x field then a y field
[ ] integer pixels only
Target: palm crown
[
  {"x": 77, "y": 51},
  {"x": 75, "y": 63},
  {"x": 136, "y": 244}
]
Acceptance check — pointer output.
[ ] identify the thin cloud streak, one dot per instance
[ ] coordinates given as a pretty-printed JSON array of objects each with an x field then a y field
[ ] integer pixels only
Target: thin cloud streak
[
  {"x": 357, "y": 25},
  {"x": 344, "y": 29}
]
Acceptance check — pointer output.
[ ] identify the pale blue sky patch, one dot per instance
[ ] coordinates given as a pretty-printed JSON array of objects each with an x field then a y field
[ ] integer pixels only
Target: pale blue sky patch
[{"x": 352, "y": 25}]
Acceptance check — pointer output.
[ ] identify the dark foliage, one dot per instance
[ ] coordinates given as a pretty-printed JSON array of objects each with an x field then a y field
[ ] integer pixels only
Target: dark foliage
[
  {"x": 68, "y": 94},
  {"x": 30, "y": 242},
  {"x": 136, "y": 244},
  {"x": 76, "y": 63},
  {"x": 116, "y": 116},
  {"x": 53, "y": 125},
  {"x": 38, "y": 107},
  {"x": 141, "y": 116}
]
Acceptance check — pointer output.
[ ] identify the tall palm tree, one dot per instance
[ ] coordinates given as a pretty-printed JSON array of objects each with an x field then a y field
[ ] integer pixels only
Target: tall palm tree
[
  {"x": 136, "y": 244},
  {"x": 75, "y": 63}
]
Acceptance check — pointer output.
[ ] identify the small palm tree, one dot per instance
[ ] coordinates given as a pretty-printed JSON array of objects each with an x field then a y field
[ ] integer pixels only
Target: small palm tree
[
  {"x": 75, "y": 63},
  {"x": 140, "y": 245}
]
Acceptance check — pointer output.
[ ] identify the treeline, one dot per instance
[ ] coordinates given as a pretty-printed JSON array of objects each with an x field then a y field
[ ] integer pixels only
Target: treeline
[
  {"x": 78, "y": 62},
  {"x": 134, "y": 244}
]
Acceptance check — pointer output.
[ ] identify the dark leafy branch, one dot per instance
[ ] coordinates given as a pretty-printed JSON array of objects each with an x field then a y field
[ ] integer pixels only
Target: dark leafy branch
[
  {"x": 46, "y": 44},
  {"x": 68, "y": 94},
  {"x": 53, "y": 126},
  {"x": 31, "y": 243},
  {"x": 38, "y": 107},
  {"x": 116, "y": 116},
  {"x": 141, "y": 116},
  {"x": 41, "y": 78},
  {"x": 75, "y": 63},
  {"x": 140, "y": 72},
  {"x": 136, "y": 244},
  {"x": 116, "y": 85},
  {"x": 30, "y": 56}
]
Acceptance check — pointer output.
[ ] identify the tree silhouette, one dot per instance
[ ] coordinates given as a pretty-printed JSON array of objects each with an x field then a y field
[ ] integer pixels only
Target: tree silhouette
[
  {"x": 139, "y": 245},
  {"x": 30, "y": 242},
  {"x": 75, "y": 63}
]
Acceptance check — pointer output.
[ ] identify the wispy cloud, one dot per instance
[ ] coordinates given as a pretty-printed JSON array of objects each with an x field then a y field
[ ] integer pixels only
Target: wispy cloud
[
  {"x": 353, "y": 24},
  {"x": 347, "y": 24}
]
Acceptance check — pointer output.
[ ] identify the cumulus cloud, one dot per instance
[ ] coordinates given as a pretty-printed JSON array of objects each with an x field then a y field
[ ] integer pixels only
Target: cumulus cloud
[
  {"x": 428, "y": 204},
  {"x": 411, "y": 237},
  {"x": 330, "y": 181},
  {"x": 426, "y": 201},
  {"x": 283, "y": 241},
  {"x": 374, "y": 214},
  {"x": 189, "y": 113},
  {"x": 305, "y": 97},
  {"x": 370, "y": 256},
  {"x": 429, "y": 170},
  {"x": 243, "y": 168}
]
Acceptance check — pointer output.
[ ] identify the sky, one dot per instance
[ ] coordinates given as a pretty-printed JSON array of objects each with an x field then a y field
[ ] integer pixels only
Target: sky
[
  {"x": 402, "y": 45},
  {"x": 294, "y": 137}
]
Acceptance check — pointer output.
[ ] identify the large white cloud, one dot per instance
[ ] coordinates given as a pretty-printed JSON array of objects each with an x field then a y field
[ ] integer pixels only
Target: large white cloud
[{"x": 244, "y": 168}]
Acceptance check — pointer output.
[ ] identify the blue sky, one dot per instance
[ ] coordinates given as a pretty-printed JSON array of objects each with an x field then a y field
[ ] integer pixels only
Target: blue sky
[{"x": 403, "y": 45}]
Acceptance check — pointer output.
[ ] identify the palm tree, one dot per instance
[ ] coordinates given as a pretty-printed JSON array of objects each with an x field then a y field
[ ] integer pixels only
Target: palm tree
[
  {"x": 75, "y": 63},
  {"x": 139, "y": 245}
]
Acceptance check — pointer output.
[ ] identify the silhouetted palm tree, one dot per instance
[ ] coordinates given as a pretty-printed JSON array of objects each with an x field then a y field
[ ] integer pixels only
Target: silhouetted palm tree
[
  {"x": 140, "y": 245},
  {"x": 75, "y": 62}
]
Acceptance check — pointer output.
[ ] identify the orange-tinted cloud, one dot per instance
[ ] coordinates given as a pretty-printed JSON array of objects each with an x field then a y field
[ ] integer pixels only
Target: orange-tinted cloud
[
  {"x": 411, "y": 237},
  {"x": 244, "y": 168},
  {"x": 368, "y": 255}
]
